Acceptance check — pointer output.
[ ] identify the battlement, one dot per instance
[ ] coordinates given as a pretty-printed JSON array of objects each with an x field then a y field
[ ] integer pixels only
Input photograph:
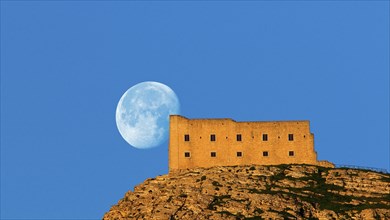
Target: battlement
[{"x": 225, "y": 142}]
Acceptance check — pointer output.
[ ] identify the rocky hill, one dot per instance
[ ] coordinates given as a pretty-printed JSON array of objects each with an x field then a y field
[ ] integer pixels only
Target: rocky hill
[{"x": 259, "y": 192}]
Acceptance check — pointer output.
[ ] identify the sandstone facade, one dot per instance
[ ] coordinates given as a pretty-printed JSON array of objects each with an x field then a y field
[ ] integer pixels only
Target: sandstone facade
[{"x": 225, "y": 142}]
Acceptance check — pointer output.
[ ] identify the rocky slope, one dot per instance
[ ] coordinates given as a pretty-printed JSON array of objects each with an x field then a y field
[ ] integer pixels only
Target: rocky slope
[{"x": 259, "y": 192}]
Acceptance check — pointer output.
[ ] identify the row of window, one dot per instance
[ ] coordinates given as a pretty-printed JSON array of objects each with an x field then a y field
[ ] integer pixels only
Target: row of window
[
  {"x": 238, "y": 137},
  {"x": 239, "y": 154}
]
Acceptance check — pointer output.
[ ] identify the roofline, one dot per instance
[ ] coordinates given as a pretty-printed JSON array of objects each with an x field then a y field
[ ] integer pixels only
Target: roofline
[{"x": 229, "y": 119}]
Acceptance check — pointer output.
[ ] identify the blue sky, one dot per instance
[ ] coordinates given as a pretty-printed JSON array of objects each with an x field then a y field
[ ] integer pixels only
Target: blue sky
[{"x": 65, "y": 65}]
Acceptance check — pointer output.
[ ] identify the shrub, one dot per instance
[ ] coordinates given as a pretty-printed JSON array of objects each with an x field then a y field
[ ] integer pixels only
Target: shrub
[
  {"x": 183, "y": 195},
  {"x": 215, "y": 183}
]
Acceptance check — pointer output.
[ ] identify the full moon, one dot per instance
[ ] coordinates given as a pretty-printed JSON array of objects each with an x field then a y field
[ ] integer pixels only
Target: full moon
[{"x": 142, "y": 114}]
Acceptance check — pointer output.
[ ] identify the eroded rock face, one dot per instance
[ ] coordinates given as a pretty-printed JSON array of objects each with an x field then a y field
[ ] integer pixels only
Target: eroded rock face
[{"x": 259, "y": 192}]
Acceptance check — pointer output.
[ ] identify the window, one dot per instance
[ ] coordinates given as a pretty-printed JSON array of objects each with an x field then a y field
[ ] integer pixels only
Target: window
[
  {"x": 238, "y": 137},
  {"x": 213, "y": 154},
  {"x": 186, "y": 137},
  {"x": 212, "y": 137},
  {"x": 187, "y": 154},
  {"x": 291, "y": 153},
  {"x": 290, "y": 137},
  {"x": 265, "y": 153},
  {"x": 265, "y": 137},
  {"x": 239, "y": 154}
]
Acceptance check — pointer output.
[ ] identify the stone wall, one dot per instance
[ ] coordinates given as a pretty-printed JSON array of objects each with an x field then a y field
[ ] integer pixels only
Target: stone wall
[{"x": 286, "y": 142}]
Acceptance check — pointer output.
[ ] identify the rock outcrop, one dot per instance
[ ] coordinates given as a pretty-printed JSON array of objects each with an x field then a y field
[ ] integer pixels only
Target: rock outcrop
[{"x": 259, "y": 192}]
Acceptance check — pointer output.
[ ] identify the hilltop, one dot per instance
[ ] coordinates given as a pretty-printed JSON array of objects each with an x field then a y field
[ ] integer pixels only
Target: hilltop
[{"x": 259, "y": 192}]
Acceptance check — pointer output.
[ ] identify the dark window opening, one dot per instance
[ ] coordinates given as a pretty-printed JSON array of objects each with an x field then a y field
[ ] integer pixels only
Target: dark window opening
[
  {"x": 187, "y": 154},
  {"x": 239, "y": 154},
  {"x": 212, "y": 137},
  {"x": 291, "y": 153},
  {"x": 186, "y": 137},
  {"x": 213, "y": 154},
  {"x": 290, "y": 137},
  {"x": 265, "y": 153},
  {"x": 265, "y": 137},
  {"x": 239, "y": 137}
]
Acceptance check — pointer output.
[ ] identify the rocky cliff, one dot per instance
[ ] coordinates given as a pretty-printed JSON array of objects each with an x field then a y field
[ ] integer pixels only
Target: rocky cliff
[{"x": 259, "y": 192}]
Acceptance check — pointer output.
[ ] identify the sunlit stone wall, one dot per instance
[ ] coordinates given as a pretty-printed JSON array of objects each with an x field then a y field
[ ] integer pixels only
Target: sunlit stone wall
[{"x": 200, "y": 151}]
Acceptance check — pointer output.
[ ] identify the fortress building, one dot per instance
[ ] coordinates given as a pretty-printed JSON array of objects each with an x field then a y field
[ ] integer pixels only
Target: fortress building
[{"x": 225, "y": 142}]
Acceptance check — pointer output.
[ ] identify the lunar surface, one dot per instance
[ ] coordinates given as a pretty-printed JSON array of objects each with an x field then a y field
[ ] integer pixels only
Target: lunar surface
[{"x": 142, "y": 114}]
